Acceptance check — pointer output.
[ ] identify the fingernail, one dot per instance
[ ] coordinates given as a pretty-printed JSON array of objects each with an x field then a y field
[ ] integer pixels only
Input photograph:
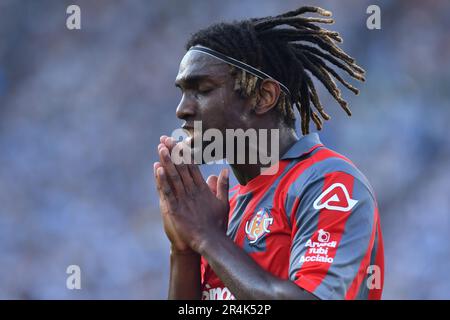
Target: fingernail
[{"x": 226, "y": 174}]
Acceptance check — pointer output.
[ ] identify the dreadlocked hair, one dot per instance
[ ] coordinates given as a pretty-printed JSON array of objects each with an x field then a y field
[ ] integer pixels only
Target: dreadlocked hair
[{"x": 291, "y": 48}]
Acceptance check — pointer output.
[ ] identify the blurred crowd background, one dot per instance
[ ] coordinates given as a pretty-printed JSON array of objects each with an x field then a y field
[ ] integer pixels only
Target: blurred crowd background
[{"x": 81, "y": 113}]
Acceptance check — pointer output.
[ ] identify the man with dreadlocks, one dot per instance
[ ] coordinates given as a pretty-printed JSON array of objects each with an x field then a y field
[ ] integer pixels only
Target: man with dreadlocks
[{"x": 312, "y": 229}]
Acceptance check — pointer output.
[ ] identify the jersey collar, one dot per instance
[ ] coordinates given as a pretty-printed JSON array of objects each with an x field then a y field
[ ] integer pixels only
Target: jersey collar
[{"x": 304, "y": 145}]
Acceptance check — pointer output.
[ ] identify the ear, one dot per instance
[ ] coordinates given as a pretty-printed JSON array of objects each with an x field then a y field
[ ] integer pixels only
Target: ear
[{"x": 268, "y": 94}]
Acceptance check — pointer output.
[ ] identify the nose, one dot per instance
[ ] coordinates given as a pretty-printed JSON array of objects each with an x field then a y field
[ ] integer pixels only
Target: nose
[{"x": 186, "y": 108}]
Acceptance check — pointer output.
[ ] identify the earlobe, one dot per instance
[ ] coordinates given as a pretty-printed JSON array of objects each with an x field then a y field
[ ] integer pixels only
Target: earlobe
[{"x": 268, "y": 94}]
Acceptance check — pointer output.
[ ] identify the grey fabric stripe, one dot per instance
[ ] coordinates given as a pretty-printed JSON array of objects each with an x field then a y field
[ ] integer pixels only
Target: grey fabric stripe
[
  {"x": 242, "y": 201},
  {"x": 363, "y": 292},
  {"x": 290, "y": 200},
  {"x": 307, "y": 222},
  {"x": 354, "y": 243}
]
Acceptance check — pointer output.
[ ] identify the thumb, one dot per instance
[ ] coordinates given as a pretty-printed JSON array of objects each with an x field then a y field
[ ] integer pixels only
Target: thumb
[
  {"x": 212, "y": 183},
  {"x": 222, "y": 185}
]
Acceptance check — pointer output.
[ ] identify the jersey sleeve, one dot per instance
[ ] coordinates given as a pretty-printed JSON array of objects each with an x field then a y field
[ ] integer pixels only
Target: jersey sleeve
[{"x": 332, "y": 235}]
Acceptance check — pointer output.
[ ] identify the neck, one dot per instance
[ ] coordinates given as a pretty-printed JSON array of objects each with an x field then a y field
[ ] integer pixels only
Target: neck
[{"x": 246, "y": 172}]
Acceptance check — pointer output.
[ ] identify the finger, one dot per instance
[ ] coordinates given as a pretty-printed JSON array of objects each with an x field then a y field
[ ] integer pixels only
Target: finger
[
  {"x": 160, "y": 146},
  {"x": 171, "y": 172},
  {"x": 170, "y": 143},
  {"x": 183, "y": 171},
  {"x": 165, "y": 188},
  {"x": 197, "y": 176},
  {"x": 223, "y": 185},
  {"x": 212, "y": 183},
  {"x": 156, "y": 165},
  {"x": 162, "y": 138},
  {"x": 162, "y": 200}
]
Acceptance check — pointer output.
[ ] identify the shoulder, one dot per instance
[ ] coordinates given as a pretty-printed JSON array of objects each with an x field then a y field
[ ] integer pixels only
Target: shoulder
[{"x": 322, "y": 169}]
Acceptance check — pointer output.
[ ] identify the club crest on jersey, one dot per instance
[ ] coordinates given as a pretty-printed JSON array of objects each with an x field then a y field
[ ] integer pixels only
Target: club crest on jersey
[
  {"x": 336, "y": 197},
  {"x": 258, "y": 225}
]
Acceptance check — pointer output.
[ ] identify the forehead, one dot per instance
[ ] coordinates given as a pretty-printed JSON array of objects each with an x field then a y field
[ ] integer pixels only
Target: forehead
[{"x": 196, "y": 63}]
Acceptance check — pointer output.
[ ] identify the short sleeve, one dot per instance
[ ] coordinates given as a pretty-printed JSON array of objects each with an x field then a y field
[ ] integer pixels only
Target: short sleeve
[{"x": 332, "y": 235}]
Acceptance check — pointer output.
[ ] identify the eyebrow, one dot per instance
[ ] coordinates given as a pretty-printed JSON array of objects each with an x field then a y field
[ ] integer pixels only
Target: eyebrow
[{"x": 192, "y": 80}]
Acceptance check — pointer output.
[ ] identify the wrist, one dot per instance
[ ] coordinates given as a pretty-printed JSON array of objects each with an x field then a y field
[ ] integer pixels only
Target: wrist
[
  {"x": 182, "y": 252},
  {"x": 210, "y": 242}
]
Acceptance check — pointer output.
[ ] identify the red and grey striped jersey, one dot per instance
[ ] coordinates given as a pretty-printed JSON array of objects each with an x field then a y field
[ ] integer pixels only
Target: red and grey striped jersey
[{"x": 314, "y": 222}]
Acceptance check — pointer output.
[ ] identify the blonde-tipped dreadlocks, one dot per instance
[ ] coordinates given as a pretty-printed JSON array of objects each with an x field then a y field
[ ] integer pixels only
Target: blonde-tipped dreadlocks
[{"x": 279, "y": 47}]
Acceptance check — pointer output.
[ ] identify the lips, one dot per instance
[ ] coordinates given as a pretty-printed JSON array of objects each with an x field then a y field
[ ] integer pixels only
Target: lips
[{"x": 189, "y": 129}]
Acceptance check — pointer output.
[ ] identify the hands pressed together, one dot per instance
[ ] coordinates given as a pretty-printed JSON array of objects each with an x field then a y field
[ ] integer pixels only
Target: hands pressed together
[{"x": 193, "y": 210}]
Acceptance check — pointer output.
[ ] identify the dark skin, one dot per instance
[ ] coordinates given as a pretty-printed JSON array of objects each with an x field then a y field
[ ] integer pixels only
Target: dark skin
[{"x": 195, "y": 211}]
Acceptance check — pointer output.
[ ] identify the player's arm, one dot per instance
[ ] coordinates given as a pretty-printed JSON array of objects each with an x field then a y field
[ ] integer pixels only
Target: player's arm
[
  {"x": 184, "y": 281},
  {"x": 243, "y": 276}
]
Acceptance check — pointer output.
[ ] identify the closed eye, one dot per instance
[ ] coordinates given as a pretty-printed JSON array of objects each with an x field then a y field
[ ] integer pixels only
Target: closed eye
[{"x": 205, "y": 91}]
